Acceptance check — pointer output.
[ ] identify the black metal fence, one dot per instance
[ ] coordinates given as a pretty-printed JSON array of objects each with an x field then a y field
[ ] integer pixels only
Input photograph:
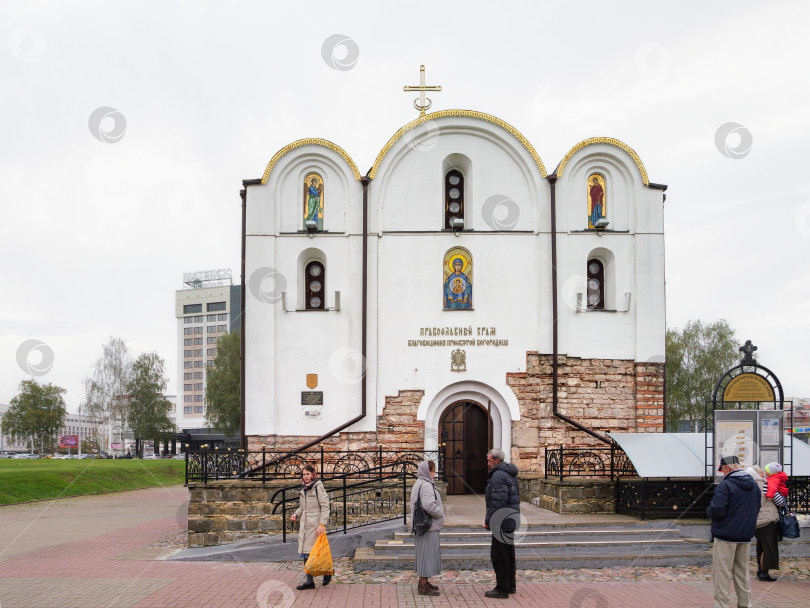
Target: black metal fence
[
  {"x": 268, "y": 465},
  {"x": 591, "y": 461},
  {"x": 353, "y": 504},
  {"x": 799, "y": 494},
  {"x": 663, "y": 497}
]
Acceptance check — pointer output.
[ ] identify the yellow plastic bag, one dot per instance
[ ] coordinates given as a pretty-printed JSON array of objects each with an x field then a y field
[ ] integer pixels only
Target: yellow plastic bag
[{"x": 320, "y": 558}]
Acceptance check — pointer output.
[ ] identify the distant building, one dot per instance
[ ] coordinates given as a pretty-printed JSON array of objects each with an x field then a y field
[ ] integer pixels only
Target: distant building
[
  {"x": 801, "y": 419},
  {"x": 86, "y": 427},
  {"x": 207, "y": 308},
  {"x": 6, "y": 443}
]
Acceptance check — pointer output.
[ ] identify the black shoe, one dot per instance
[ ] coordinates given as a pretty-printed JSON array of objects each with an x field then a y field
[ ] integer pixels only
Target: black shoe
[
  {"x": 327, "y": 578},
  {"x": 512, "y": 590},
  {"x": 501, "y": 595},
  {"x": 303, "y": 586},
  {"x": 764, "y": 576}
]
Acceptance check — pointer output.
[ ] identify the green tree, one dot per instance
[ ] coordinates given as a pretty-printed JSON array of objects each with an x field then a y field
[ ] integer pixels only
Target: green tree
[
  {"x": 148, "y": 408},
  {"x": 37, "y": 413},
  {"x": 223, "y": 387},
  {"x": 90, "y": 446},
  {"x": 697, "y": 357}
]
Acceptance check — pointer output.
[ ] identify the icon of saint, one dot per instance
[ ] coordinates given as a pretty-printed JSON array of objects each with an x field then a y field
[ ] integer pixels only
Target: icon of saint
[
  {"x": 597, "y": 194},
  {"x": 457, "y": 288}
]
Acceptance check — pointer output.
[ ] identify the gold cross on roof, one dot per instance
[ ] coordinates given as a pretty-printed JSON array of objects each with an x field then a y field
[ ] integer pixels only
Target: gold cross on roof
[{"x": 422, "y": 103}]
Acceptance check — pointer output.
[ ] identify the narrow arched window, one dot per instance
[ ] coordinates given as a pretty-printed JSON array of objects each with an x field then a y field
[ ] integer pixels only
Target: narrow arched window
[
  {"x": 453, "y": 200},
  {"x": 596, "y": 285},
  {"x": 315, "y": 278}
]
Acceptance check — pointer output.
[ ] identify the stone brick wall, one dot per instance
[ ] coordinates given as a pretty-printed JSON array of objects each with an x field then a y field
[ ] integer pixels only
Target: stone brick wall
[
  {"x": 222, "y": 512},
  {"x": 650, "y": 397},
  {"x": 397, "y": 429},
  {"x": 602, "y": 394},
  {"x": 569, "y": 496}
]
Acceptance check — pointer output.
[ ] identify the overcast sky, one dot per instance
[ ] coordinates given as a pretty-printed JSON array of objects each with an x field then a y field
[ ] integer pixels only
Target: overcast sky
[{"x": 99, "y": 224}]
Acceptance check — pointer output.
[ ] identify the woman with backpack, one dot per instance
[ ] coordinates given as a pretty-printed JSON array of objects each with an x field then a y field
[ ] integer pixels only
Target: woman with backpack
[
  {"x": 313, "y": 513},
  {"x": 428, "y": 553}
]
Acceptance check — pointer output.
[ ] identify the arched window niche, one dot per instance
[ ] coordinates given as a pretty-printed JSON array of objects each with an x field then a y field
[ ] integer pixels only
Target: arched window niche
[
  {"x": 600, "y": 280},
  {"x": 312, "y": 280},
  {"x": 456, "y": 190}
]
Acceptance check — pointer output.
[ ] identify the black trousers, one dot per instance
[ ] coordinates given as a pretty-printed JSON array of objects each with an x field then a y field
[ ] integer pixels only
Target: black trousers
[{"x": 503, "y": 562}]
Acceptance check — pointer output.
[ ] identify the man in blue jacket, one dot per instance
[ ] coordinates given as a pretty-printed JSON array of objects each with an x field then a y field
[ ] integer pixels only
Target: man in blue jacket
[
  {"x": 503, "y": 513},
  {"x": 733, "y": 511}
]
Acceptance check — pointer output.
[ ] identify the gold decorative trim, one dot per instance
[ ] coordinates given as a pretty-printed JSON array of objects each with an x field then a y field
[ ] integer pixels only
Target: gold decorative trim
[
  {"x": 315, "y": 141},
  {"x": 465, "y": 114},
  {"x": 605, "y": 140}
]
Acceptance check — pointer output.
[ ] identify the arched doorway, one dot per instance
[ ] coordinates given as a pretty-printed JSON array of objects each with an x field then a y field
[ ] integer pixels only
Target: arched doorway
[{"x": 465, "y": 429}]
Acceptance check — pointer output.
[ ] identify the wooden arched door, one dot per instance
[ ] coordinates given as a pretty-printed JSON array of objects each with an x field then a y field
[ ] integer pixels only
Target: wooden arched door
[{"x": 465, "y": 429}]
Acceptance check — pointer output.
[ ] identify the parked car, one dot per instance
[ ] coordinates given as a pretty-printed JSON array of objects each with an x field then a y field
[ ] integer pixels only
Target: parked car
[
  {"x": 83, "y": 456},
  {"x": 6, "y": 454},
  {"x": 179, "y": 457},
  {"x": 25, "y": 456}
]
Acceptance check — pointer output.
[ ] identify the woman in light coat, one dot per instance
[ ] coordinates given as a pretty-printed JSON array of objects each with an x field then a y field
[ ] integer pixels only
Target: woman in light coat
[
  {"x": 313, "y": 511},
  {"x": 767, "y": 532},
  {"x": 428, "y": 555}
]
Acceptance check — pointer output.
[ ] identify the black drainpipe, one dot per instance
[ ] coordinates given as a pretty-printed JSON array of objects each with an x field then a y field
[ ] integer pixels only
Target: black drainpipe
[
  {"x": 365, "y": 181},
  {"x": 242, "y": 438},
  {"x": 552, "y": 180}
]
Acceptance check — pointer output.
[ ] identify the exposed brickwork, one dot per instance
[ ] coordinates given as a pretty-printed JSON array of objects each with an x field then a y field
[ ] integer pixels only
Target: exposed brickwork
[
  {"x": 397, "y": 429},
  {"x": 602, "y": 394},
  {"x": 650, "y": 397},
  {"x": 569, "y": 496}
]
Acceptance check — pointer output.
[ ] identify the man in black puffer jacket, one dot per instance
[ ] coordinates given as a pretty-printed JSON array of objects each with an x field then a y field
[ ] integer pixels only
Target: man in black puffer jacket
[
  {"x": 503, "y": 513},
  {"x": 733, "y": 511}
]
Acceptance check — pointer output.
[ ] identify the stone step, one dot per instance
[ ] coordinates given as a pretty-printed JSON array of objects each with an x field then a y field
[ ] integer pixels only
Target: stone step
[
  {"x": 451, "y": 536},
  {"x": 385, "y": 548},
  {"x": 367, "y": 559}
]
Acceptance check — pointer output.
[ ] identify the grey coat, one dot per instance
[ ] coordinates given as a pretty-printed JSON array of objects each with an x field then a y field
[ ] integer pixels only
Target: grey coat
[
  {"x": 312, "y": 512},
  {"x": 431, "y": 502},
  {"x": 768, "y": 512}
]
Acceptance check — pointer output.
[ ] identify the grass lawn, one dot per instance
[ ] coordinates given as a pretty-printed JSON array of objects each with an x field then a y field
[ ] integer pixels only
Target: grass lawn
[{"x": 22, "y": 480}]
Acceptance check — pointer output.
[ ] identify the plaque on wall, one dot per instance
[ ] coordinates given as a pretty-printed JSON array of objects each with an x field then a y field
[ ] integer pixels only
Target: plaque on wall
[{"x": 311, "y": 397}]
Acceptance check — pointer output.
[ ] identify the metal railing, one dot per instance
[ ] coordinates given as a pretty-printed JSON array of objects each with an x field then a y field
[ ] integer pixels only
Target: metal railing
[
  {"x": 663, "y": 497},
  {"x": 270, "y": 465},
  {"x": 591, "y": 461},
  {"x": 384, "y": 497},
  {"x": 799, "y": 494}
]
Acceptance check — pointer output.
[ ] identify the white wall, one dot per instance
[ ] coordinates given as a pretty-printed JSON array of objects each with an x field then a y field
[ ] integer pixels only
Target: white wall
[{"x": 407, "y": 244}]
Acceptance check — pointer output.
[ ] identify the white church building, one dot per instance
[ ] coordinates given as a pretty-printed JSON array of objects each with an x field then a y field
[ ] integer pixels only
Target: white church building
[{"x": 420, "y": 306}]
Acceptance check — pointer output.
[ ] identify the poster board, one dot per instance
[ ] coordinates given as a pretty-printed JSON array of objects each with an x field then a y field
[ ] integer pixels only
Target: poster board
[{"x": 754, "y": 436}]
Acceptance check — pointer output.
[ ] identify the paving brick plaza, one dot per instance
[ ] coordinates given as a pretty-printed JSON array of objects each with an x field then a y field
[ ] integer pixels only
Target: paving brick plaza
[{"x": 109, "y": 551}]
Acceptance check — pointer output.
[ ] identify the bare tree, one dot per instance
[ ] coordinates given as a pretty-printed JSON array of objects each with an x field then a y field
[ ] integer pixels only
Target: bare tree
[{"x": 106, "y": 387}]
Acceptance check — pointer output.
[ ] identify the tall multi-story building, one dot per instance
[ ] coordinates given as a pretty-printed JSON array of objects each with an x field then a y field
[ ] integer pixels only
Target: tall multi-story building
[{"x": 206, "y": 309}]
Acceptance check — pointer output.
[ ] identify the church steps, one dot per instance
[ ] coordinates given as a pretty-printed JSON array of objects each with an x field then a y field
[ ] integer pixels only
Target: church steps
[
  {"x": 366, "y": 559},
  {"x": 557, "y": 535},
  {"x": 549, "y": 546},
  {"x": 660, "y": 546}
]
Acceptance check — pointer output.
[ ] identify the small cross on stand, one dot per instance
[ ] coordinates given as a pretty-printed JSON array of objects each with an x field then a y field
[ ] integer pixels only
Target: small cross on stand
[
  {"x": 748, "y": 353},
  {"x": 421, "y": 104}
]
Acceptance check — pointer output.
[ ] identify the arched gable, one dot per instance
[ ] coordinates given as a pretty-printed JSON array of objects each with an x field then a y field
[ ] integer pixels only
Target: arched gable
[
  {"x": 499, "y": 167},
  {"x": 313, "y": 141},
  {"x": 604, "y": 140},
  {"x": 463, "y": 113}
]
